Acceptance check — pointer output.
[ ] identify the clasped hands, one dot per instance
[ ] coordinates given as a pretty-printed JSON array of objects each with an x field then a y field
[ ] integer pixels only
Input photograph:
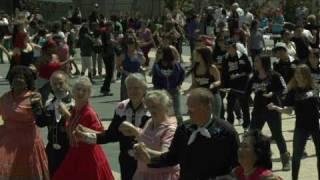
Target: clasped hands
[{"x": 140, "y": 152}]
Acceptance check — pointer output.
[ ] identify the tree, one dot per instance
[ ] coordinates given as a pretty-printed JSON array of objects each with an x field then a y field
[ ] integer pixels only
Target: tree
[{"x": 173, "y": 4}]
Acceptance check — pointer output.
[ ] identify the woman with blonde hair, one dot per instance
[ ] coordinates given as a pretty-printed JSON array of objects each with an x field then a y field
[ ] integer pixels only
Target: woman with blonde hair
[
  {"x": 83, "y": 161},
  {"x": 155, "y": 137},
  {"x": 303, "y": 98}
]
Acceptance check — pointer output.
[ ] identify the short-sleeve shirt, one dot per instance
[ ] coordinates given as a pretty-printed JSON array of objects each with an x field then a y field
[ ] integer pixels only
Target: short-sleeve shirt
[{"x": 156, "y": 139}]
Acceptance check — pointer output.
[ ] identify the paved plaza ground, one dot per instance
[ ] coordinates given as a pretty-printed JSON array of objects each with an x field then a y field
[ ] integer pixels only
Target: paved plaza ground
[{"x": 105, "y": 107}]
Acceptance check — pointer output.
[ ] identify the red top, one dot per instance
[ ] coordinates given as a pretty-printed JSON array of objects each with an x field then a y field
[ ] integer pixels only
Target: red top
[
  {"x": 258, "y": 174},
  {"x": 45, "y": 71}
]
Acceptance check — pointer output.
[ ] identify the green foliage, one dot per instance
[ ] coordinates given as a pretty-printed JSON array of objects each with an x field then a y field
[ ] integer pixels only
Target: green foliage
[
  {"x": 291, "y": 6},
  {"x": 181, "y": 4}
]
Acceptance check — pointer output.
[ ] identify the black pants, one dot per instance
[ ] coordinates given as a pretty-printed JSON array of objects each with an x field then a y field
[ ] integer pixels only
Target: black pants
[
  {"x": 109, "y": 65},
  {"x": 231, "y": 102},
  {"x": 273, "y": 119},
  {"x": 55, "y": 158},
  {"x": 128, "y": 166},
  {"x": 300, "y": 138}
]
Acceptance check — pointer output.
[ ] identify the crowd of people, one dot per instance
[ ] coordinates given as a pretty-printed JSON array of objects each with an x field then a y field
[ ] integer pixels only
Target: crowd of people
[{"x": 230, "y": 62}]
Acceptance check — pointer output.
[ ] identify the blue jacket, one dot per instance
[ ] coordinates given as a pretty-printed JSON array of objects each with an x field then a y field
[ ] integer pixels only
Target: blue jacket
[{"x": 167, "y": 78}]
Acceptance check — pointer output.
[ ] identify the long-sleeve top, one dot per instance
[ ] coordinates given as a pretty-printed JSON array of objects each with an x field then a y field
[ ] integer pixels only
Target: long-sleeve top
[
  {"x": 306, "y": 104},
  {"x": 206, "y": 157},
  {"x": 56, "y": 125},
  {"x": 86, "y": 45},
  {"x": 124, "y": 112},
  {"x": 274, "y": 83},
  {"x": 169, "y": 77},
  {"x": 236, "y": 71}
]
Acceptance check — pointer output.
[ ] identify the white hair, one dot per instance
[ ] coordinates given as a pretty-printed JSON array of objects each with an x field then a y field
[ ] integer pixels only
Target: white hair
[
  {"x": 162, "y": 97},
  {"x": 137, "y": 78},
  {"x": 84, "y": 81}
]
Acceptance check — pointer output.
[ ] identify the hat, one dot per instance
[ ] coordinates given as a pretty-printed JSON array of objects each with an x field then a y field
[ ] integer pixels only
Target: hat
[
  {"x": 59, "y": 36},
  {"x": 280, "y": 45}
]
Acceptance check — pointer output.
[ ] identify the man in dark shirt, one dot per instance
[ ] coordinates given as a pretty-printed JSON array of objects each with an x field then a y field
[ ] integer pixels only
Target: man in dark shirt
[
  {"x": 131, "y": 110},
  {"x": 236, "y": 69},
  {"x": 285, "y": 65},
  {"x": 206, "y": 148}
]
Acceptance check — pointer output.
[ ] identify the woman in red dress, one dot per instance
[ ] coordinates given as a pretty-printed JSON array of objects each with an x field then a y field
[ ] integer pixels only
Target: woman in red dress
[
  {"x": 22, "y": 152},
  {"x": 83, "y": 161}
]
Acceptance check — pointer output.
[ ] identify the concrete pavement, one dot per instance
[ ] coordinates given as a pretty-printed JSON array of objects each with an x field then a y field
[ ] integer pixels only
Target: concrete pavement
[{"x": 105, "y": 106}]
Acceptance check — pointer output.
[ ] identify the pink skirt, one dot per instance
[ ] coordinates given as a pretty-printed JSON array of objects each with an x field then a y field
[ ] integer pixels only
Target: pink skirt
[{"x": 22, "y": 154}]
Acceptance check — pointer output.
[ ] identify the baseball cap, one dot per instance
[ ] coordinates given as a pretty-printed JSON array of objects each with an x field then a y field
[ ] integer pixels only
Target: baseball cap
[{"x": 280, "y": 45}]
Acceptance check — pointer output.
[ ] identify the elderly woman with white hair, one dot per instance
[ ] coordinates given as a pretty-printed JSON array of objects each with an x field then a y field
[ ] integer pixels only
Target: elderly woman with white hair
[
  {"x": 131, "y": 110},
  {"x": 83, "y": 161},
  {"x": 155, "y": 137}
]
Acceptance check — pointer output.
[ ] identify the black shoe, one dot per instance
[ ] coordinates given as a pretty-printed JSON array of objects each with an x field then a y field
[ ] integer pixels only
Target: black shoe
[
  {"x": 107, "y": 93},
  {"x": 304, "y": 155}
]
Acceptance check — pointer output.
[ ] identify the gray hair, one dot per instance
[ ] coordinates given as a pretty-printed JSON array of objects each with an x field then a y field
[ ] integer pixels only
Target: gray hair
[
  {"x": 203, "y": 96},
  {"x": 162, "y": 97},
  {"x": 64, "y": 75},
  {"x": 85, "y": 81},
  {"x": 137, "y": 77}
]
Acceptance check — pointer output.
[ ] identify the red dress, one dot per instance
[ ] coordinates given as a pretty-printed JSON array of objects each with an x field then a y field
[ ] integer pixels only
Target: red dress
[
  {"x": 22, "y": 152},
  {"x": 258, "y": 174},
  {"x": 84, "y": 161}
]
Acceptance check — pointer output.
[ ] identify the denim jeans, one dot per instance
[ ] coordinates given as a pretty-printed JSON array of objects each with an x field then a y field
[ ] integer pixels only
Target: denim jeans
[
  {"x": 273, "y": 118},
  {"x": 123, "y": 88},
  {"x": 217, "y": 104},
  {"x": 176, "y": 99},
  {"x": 97, "y": 61},
  {"x": 300, "y": 138}
]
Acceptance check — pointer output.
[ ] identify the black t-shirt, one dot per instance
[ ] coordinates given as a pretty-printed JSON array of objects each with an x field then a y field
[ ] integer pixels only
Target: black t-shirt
[
  {"x": 217, "y": 56},
  {"x": 272, "y": 83},
  {"x": 236, "y": 71},
  {"x": 306, "y": 105},
  {"x": 302, "y": 47},
  {"x": 285, "y": 68}
]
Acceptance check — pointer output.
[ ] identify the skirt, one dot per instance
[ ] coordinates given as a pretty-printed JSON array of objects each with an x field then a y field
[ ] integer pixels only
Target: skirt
[
  {"x": 22, "y": 154},
  {"x": 83, "y": 163}
]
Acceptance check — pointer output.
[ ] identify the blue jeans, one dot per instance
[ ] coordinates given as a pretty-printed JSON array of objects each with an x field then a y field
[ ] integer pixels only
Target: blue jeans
[
  {"x": 176, "y": 99},
  {"x": 300, "y": 138},
  {"x": 216, "y": 104}
]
